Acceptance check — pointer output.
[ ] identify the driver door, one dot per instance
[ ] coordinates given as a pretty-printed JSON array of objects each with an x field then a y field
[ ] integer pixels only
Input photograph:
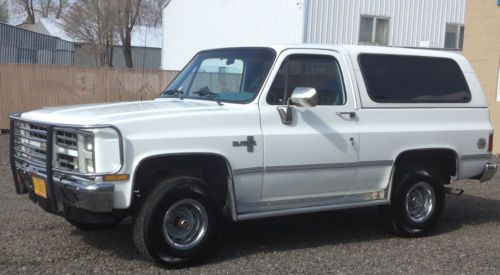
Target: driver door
[{"x": 313, "y": 160}]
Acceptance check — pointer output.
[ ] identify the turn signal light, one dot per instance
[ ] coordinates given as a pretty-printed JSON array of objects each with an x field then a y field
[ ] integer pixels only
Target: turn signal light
[
  {"x": 490, "y": 143},
  {"x": 116, "y": 177}
]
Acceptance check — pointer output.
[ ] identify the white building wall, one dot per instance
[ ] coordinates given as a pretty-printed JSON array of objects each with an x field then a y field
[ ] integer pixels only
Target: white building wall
[
  {"x": 411, "y": 21},
  {"x": 193, "y": 25}
]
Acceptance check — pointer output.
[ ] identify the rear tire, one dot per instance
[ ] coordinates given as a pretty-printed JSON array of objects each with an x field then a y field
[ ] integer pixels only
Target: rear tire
[
  {"x": 178, "y": 223},
  {"x": 417, "y": 202}
]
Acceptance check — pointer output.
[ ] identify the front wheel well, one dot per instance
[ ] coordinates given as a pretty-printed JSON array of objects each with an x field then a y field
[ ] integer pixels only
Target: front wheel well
[{"x": 211, "y": 168}]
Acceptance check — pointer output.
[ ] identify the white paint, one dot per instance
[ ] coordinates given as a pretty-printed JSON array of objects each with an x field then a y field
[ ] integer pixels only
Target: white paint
[{"x": 318, "y": 136}]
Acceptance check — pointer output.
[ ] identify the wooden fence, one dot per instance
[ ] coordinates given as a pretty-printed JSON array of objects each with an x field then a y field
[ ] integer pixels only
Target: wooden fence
[{"x": 28, "y": 87}]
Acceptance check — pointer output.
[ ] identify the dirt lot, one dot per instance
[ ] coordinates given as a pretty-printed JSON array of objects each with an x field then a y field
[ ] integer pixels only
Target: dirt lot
[{"x": 467, "y": 240}]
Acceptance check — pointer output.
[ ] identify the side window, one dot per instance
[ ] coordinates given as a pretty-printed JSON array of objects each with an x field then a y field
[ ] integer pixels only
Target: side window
[
  {"x": 317, "y": 71},
  {"x": 413, "y": 79}
]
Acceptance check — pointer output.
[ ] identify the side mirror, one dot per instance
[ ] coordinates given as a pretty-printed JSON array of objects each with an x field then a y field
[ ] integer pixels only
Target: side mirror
[
  {"x": 301, "y": 96},
  {"x": 304, "y": 96}
]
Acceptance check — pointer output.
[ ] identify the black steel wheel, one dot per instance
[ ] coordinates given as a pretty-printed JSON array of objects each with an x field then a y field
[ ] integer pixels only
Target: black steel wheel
[
  {"x": 178, "y": 223},
  {"x": 417, "y": 202}
]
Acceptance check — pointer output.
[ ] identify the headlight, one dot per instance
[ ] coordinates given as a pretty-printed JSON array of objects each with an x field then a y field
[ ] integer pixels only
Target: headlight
[{"x": 75, "y": 150}]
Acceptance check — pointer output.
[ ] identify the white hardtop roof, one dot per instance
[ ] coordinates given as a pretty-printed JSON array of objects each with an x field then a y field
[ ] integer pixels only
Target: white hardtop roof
[{"x": 357, "y": 49}]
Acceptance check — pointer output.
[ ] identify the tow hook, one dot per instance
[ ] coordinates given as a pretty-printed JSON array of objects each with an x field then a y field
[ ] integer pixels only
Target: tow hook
[{"x": 454, "y": 191}]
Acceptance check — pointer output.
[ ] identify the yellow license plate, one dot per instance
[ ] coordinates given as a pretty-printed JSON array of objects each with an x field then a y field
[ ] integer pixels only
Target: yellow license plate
[{"x": 40, "y": 187}]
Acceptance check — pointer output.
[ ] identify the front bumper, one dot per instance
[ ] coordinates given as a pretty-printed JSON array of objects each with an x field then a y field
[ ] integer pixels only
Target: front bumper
[
  {"x": 63, "y": 190},
  {"x": 489, "y": 171},
  {"x": 68, "y": 192}
]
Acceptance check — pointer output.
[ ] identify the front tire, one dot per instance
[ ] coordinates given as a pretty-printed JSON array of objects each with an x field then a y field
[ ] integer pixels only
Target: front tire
[
  {"x": 417, "y": 202},
  {"x": 178, "y": 223}
]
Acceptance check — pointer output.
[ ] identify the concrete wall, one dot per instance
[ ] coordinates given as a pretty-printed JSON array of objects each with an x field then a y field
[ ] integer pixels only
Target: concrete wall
[{"x": 482, "y": 48}]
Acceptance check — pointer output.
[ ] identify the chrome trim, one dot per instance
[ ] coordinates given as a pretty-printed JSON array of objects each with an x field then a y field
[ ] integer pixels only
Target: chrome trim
[
  {"x": 489, "y": 171},
  {"x": 75, "y": 192},
  {"x": 250, "y": 170},
  {"x": 376, "y": 163},
  {"x": 299, "y": 203},
  {"x": 91, "y": 197},
  {"x": 304, "y": 210},
  {"x": 62, "y": 126},
  {"x": 477, "y": 156},
  {"x": 323, "y": 166}
]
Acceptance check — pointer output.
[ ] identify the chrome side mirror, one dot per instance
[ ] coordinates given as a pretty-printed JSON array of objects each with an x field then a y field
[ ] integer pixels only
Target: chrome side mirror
[
  {"x": 301, "y": 96},
  {"x": 304, "y": 96}
]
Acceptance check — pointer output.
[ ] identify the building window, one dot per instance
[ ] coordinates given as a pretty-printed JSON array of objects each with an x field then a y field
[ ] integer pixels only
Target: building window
[
  {"x": 454, "y": 36},
  {"x": 374, "y": 30}
]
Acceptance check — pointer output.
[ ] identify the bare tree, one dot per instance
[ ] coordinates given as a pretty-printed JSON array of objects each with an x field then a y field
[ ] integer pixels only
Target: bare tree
[
  {"x": 44, "y": 7},
  {"x": 93, "y": 22},
  {"x": 61, "y": 6},
  {"x": 29, "y": 8},
  {"x": 4, "y": 11},
  {"x": 152, "y": 14},
  {"x": 129, "y": 12}
]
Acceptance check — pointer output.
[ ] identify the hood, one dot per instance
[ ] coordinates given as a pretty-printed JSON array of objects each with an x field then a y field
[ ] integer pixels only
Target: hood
[{"x": 91, "y": 114}]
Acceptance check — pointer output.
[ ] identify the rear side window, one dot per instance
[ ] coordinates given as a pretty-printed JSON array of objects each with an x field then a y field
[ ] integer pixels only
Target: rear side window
[{"x": 413, "y": 79}]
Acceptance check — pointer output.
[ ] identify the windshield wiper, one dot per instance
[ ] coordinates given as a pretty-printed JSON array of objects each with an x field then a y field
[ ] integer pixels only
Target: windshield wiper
[
  {"x": 209, "y": 94},
  {"x": 175, "y": 93}
]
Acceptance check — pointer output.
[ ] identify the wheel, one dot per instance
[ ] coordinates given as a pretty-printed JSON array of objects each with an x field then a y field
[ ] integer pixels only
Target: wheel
[
  {"x": 417, "y": 202},
  {"x": 87, "y": 221},
  {"x": 178, "y": 223}
]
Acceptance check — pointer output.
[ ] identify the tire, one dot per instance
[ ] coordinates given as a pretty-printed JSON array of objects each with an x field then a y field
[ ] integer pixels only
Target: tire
[
  {"x": 417, "y": 202},
  {"x": 178, "y": 222}
]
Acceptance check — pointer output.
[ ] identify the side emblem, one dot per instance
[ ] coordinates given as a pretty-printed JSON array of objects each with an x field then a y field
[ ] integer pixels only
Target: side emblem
[
  {"x": 481, "y": 143},
  {"x": 249, "y": 143}
]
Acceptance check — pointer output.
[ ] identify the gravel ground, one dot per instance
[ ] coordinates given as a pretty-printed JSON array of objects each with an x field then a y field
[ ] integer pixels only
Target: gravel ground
[{"x": 466, "y": 241}]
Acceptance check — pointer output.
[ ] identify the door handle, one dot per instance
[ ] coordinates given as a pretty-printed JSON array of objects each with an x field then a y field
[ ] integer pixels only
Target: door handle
[{"x": 350, "y": 114}]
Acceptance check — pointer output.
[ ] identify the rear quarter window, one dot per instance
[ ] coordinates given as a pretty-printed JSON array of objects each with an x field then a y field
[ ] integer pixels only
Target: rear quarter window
[{"x": 413, "y": 79}]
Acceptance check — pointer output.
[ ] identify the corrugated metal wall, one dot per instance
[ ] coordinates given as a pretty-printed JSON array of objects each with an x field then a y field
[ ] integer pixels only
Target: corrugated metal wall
[
  {"x": 22, "y": 46},
  {"x": 142, "y": 58},
  {"x": 411, "y": 21}
]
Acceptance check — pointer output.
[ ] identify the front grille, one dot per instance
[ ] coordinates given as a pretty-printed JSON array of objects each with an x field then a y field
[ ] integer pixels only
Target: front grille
[
  {"x": 67, "y": 162},
  {"x": 30, "y": 143},
  {"x": 30, "y": 146},
  {"x": 67, "y": 140}
]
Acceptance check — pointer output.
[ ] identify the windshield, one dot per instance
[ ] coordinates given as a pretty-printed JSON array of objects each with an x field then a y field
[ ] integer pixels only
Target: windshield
[{"x": 229, "y": 75}]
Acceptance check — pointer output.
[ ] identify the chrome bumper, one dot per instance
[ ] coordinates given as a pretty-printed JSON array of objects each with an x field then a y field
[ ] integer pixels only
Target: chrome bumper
[
  {"x": 91, "y": 197},
  {"x": 489, "y": 171},
  {"x": 70, "y": 192}
]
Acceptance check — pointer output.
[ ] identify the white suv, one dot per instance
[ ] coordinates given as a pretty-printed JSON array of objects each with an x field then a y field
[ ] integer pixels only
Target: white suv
[{"x": 254, "y": 132}]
